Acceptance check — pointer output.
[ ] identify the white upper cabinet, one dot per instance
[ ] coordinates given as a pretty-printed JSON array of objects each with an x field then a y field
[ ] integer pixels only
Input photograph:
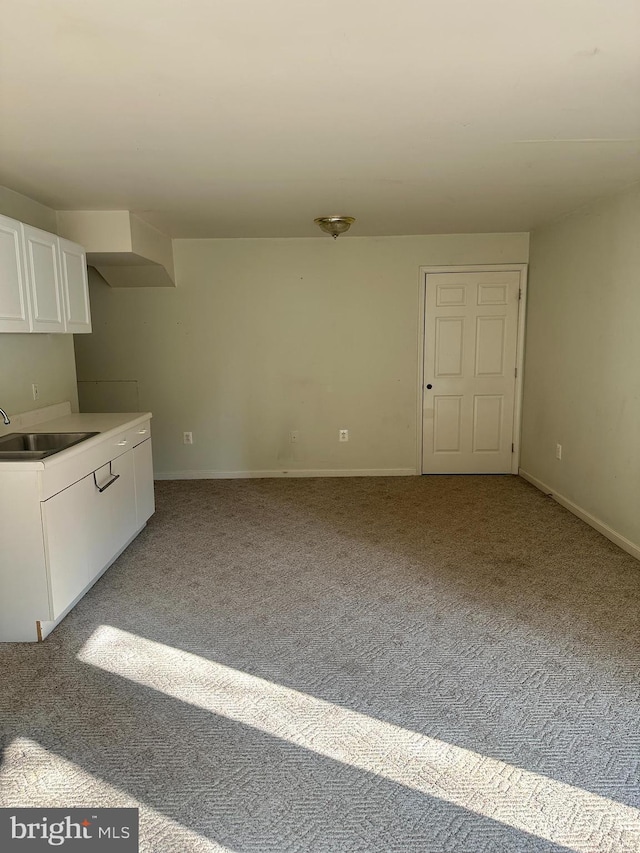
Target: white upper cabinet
[
  {"x": 43, "y": 281},
  {"x": 43, "y": 272},
  {"x": 14, "y": 304},
  {"x": 73, "y": 268}
]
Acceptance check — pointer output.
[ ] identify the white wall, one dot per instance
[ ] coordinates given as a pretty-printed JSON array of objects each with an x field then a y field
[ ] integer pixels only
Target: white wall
[
  {"x": 582, "y": 367},
  {"x": 47, "y": 360},
  {"x": 264, "y": 336}
]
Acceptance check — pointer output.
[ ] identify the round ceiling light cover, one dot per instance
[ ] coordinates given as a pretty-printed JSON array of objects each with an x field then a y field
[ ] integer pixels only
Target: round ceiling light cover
[{"x": 335, "y": 225}]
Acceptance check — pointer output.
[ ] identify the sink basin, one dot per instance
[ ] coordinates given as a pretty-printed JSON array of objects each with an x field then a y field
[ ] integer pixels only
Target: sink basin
[{"x": 38, "y": 445}]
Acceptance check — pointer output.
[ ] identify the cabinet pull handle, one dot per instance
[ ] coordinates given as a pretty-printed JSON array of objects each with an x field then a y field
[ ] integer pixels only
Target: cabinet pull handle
[
  {"x": 142, "y": 432},
  {"x": 113, "y": 476},
  {"x": 122, "y": 443}
]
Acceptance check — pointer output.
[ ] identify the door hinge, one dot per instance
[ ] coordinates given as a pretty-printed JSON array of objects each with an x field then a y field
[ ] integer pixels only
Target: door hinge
[
  {"x": 519, "y": 294},
  {"x": 516, "y": 372},
  {"x": 513, "y": 448}
]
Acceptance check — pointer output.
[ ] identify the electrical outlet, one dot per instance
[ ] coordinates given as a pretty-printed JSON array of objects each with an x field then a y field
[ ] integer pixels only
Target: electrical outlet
[
  {"x": 294, "y": 435},
  {"x": 343, "y": 435},
  {"x": 34, "y": 391},
  {"x": 187, "y": 437},
  {"x": 558, "y": 451}
]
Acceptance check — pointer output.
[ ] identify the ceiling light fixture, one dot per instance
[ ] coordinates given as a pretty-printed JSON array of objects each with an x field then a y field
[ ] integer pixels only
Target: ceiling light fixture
[{"x": 335, "y": 225}]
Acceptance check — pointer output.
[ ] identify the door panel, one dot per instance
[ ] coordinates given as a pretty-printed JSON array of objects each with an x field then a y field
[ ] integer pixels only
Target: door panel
[
  {"x": 72, "y": 529},
  {"x": 122, "y": 501},
  {"x": 44, "y": 274},
  {"x": 471, "y": 325},
  {"x": 85, "y": 528},
  {"x": 145, "y": 503},
  {"x": 14, "y": 310},
  {"x": 490, "y": 346},
  {"x": 76, "y": 289},
  {"x": 492, "y": 294},
  {"x": 447, "y": 431},
  {"x": 487, "y": 423},
  {"x": 449, "y": 346},
  {"x": 450, "y": 295}
]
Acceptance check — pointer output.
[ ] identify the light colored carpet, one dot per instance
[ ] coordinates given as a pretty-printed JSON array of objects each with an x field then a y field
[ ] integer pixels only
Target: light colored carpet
[{"x": 402, "y": 664}]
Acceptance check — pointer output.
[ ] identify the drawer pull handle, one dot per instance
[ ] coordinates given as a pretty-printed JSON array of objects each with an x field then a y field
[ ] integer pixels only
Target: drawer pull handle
[
  {"x": 113, "y": 476},
  {"x": 122, "y": 443},
  {"x": 142, "y": 432}
]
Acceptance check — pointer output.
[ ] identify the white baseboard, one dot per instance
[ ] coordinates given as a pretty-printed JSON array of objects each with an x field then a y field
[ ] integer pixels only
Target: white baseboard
[
  {"x": 615, "y": 537},
  {"x": 311, "y": 472}
]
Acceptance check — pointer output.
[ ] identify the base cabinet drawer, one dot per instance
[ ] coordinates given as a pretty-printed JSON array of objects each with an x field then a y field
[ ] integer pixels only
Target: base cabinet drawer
[{"x": 84, "y": 528}]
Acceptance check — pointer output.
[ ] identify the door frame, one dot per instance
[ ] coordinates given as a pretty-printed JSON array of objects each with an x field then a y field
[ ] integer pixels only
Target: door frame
[{"x": 522, "y": 308}]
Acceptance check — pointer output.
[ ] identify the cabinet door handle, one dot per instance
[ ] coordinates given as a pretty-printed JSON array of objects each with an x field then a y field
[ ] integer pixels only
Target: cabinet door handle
[
  {"x": 122, "y": 443},
  {"x": 142, "y": 432},
  {"x": 113, "y": 476}
]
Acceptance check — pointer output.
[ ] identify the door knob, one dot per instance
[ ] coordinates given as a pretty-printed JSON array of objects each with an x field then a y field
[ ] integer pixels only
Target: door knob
[{"x": 429, "y": 387}]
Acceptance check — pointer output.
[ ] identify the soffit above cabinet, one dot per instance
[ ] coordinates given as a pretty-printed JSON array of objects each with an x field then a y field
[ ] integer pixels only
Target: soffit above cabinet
[{"x": 125, "y": 250}]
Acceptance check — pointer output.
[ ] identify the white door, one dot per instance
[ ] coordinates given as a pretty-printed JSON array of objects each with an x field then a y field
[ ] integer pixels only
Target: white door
[
  {"x": 72, "y": 530},
  {"x": 43, "y": 271},
  {"x": 143, "y": 466},
  {"x": 14, "y": 307},
  {"x": 122, "y": 503},
  {"x": 471, "y": 327},
  {"x": 73, "y": 263},
  {"x": 85, "y": 528}
]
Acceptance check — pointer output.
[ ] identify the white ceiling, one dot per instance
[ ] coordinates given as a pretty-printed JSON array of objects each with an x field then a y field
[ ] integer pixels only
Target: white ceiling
[{"x": 216, "y": 118}]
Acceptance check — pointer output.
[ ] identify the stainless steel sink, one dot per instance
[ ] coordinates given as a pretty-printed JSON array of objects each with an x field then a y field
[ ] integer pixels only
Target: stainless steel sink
[{"x": 38, "y": 445}]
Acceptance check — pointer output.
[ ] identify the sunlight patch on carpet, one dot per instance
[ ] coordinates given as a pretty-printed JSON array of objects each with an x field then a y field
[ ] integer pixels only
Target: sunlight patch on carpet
[
  {"x": 50, "y": 781},
  {"x": 555, "y": 811}
]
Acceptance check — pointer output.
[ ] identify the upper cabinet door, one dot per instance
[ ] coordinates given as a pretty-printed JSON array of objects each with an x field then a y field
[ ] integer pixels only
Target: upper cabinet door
[
  {"x": 14, "y": 304},
  {"x": 73, "y": 266},
  {"x": 43, "y": 271}
]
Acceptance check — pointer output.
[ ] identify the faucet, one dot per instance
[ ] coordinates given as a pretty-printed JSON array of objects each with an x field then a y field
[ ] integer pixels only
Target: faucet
[{"x": 5, "y": 417}]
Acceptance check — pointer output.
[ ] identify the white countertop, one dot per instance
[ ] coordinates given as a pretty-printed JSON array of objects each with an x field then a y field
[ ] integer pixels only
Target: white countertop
[{"x": 102, "y": 423}]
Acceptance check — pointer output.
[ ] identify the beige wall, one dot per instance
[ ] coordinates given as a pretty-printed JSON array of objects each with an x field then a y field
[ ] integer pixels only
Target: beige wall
[
  {"x": 47, "y": 360},
  {"x": 265, "y": 336},
  {"x": 27, "y": 210},
  {"x": 582, "y": 367}
]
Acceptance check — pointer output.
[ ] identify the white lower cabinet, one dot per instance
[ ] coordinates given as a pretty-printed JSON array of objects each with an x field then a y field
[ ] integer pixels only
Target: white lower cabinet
[
  {"x": 55, "y": 548},
  {"x": 85, "y": 526}
]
